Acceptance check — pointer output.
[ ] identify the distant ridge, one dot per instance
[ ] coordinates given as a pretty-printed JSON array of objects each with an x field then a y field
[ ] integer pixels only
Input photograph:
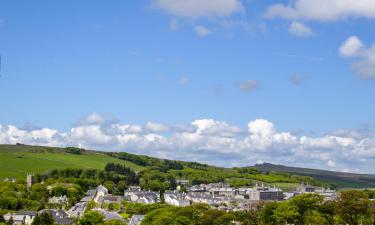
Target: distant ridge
[{"x": 339, "y": 178}]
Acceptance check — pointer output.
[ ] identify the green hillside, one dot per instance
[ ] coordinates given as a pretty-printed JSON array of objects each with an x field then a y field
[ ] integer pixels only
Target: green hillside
[{"x": 17, "y": 161}]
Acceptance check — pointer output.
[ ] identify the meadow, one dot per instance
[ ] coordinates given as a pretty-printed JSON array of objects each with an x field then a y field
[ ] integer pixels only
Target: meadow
[{"x": 17, "y": 161}]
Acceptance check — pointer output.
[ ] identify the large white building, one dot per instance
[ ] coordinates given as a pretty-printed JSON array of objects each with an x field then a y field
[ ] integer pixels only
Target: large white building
[{"x": 262, "y": 193}]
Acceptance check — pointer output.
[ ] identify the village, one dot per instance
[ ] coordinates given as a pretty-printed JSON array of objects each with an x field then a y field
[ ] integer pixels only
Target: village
[{"x": 217, "y": 195}]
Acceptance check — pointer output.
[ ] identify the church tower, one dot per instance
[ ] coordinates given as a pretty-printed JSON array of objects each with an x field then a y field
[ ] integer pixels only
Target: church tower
[{"x": 30, "y": 179}]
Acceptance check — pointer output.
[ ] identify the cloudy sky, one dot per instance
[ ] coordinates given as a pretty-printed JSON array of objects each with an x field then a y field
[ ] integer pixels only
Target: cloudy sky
[{"x": 225, "y": 82}]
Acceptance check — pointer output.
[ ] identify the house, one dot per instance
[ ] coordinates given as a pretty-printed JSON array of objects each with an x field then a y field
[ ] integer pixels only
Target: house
[
  {"x": 197, "y": 188},
  {"x": 21, "y": 217},
  {"x": 184, "y": 183},
  {"x": 91, "y": 193},
  {"x": 77, "y": 210},
  {"x": 217, "y": 185},
  {"x": 207, "y": 198},
  {"x": 176, "y": 199},
  {"x": 327, "y": 193},
  {"x": 108, "y": 199},
  {"x": 145, "y": 197},
  {"x": 60, "y": 216},
  {"x": 136, "y": 219},
  {"x": 101, "y": 191},
  {"x": 108, "y": 215},
  {"x": 224, "y": 191},
  {"x": 134, "y": 188},
  {"x": 63, "y": 200}
]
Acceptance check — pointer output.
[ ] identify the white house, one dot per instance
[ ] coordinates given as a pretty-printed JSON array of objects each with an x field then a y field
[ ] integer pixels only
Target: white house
[
  {"x": 63, "y": 200},
  {"x": 101, "y": 191},
  {"x": 176, "y": 199},
  {"x": 145, "y": 197},
  {"x": 21, "y": 217}
]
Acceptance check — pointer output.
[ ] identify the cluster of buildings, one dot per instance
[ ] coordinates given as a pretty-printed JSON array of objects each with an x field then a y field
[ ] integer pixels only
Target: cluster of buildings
[
  {"x": 136, "y": 195},
  {"x": 218, "y": 195},
  {"x": 99, "y": 196},
  {"x": 222, "y": 196}
]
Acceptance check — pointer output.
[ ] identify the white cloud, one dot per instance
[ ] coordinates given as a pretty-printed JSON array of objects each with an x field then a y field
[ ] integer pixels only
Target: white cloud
[
  {"x": 249, "y": 85},
  {"x": 202, "y": 31},
  {"x": 209, "y": 140},
  {"x": 300, "y": 29},
  {"x": 199, "y": 8},
  {"x": 156, "y": 127},
  {"x": 364, "y": 63},
  {"x": 322, "y": 10},
  {"x": 351, "y": 47}
]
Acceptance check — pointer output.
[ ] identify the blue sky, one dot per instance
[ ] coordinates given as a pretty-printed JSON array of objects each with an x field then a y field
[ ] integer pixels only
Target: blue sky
[{"x": 310, "y": 73}]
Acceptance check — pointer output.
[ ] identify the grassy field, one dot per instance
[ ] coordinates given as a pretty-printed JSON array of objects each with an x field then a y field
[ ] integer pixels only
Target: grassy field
[{"x": 17, "y": 161}]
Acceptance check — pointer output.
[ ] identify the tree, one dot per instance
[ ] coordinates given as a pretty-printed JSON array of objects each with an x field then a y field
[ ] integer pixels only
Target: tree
[
  {"x": 267, "y": 214},
  {"x": 43, "y": 219},
  {"x": 90, "y": 205},
  {"x": 287, "y": 213},
  {"x": 306, "y": 203},
  {"x": 353, "y": 207},
  {"x": 91, "y": 218},
  {"x": 327, "y": 210}
]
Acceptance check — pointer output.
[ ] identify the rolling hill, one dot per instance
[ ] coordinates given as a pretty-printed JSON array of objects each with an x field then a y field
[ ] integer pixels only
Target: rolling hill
[
  {"x": 18, "y": 160},
  {"x": 346, "y": 180}
]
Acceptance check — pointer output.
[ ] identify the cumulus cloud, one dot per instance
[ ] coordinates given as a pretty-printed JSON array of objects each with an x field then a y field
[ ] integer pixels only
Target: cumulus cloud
[
  {"x": 156, "y": 127},
  {"x": 351, "y": 47},
  {"x": 299, "y": 29},
  {"x": 322, "y": 10},
  {"x": 199, "y": 8},
  {"x": 202, "y": 31},
  {"x": 210, "y": 141},
  {"x": 364, "y": 58},
  {"x": 249, "y": 85}
]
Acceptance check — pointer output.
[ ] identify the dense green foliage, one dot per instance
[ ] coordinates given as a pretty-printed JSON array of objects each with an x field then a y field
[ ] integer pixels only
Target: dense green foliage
[
  {"x": 92, "y": 218},
  {"x": 43, "y": 219}
]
